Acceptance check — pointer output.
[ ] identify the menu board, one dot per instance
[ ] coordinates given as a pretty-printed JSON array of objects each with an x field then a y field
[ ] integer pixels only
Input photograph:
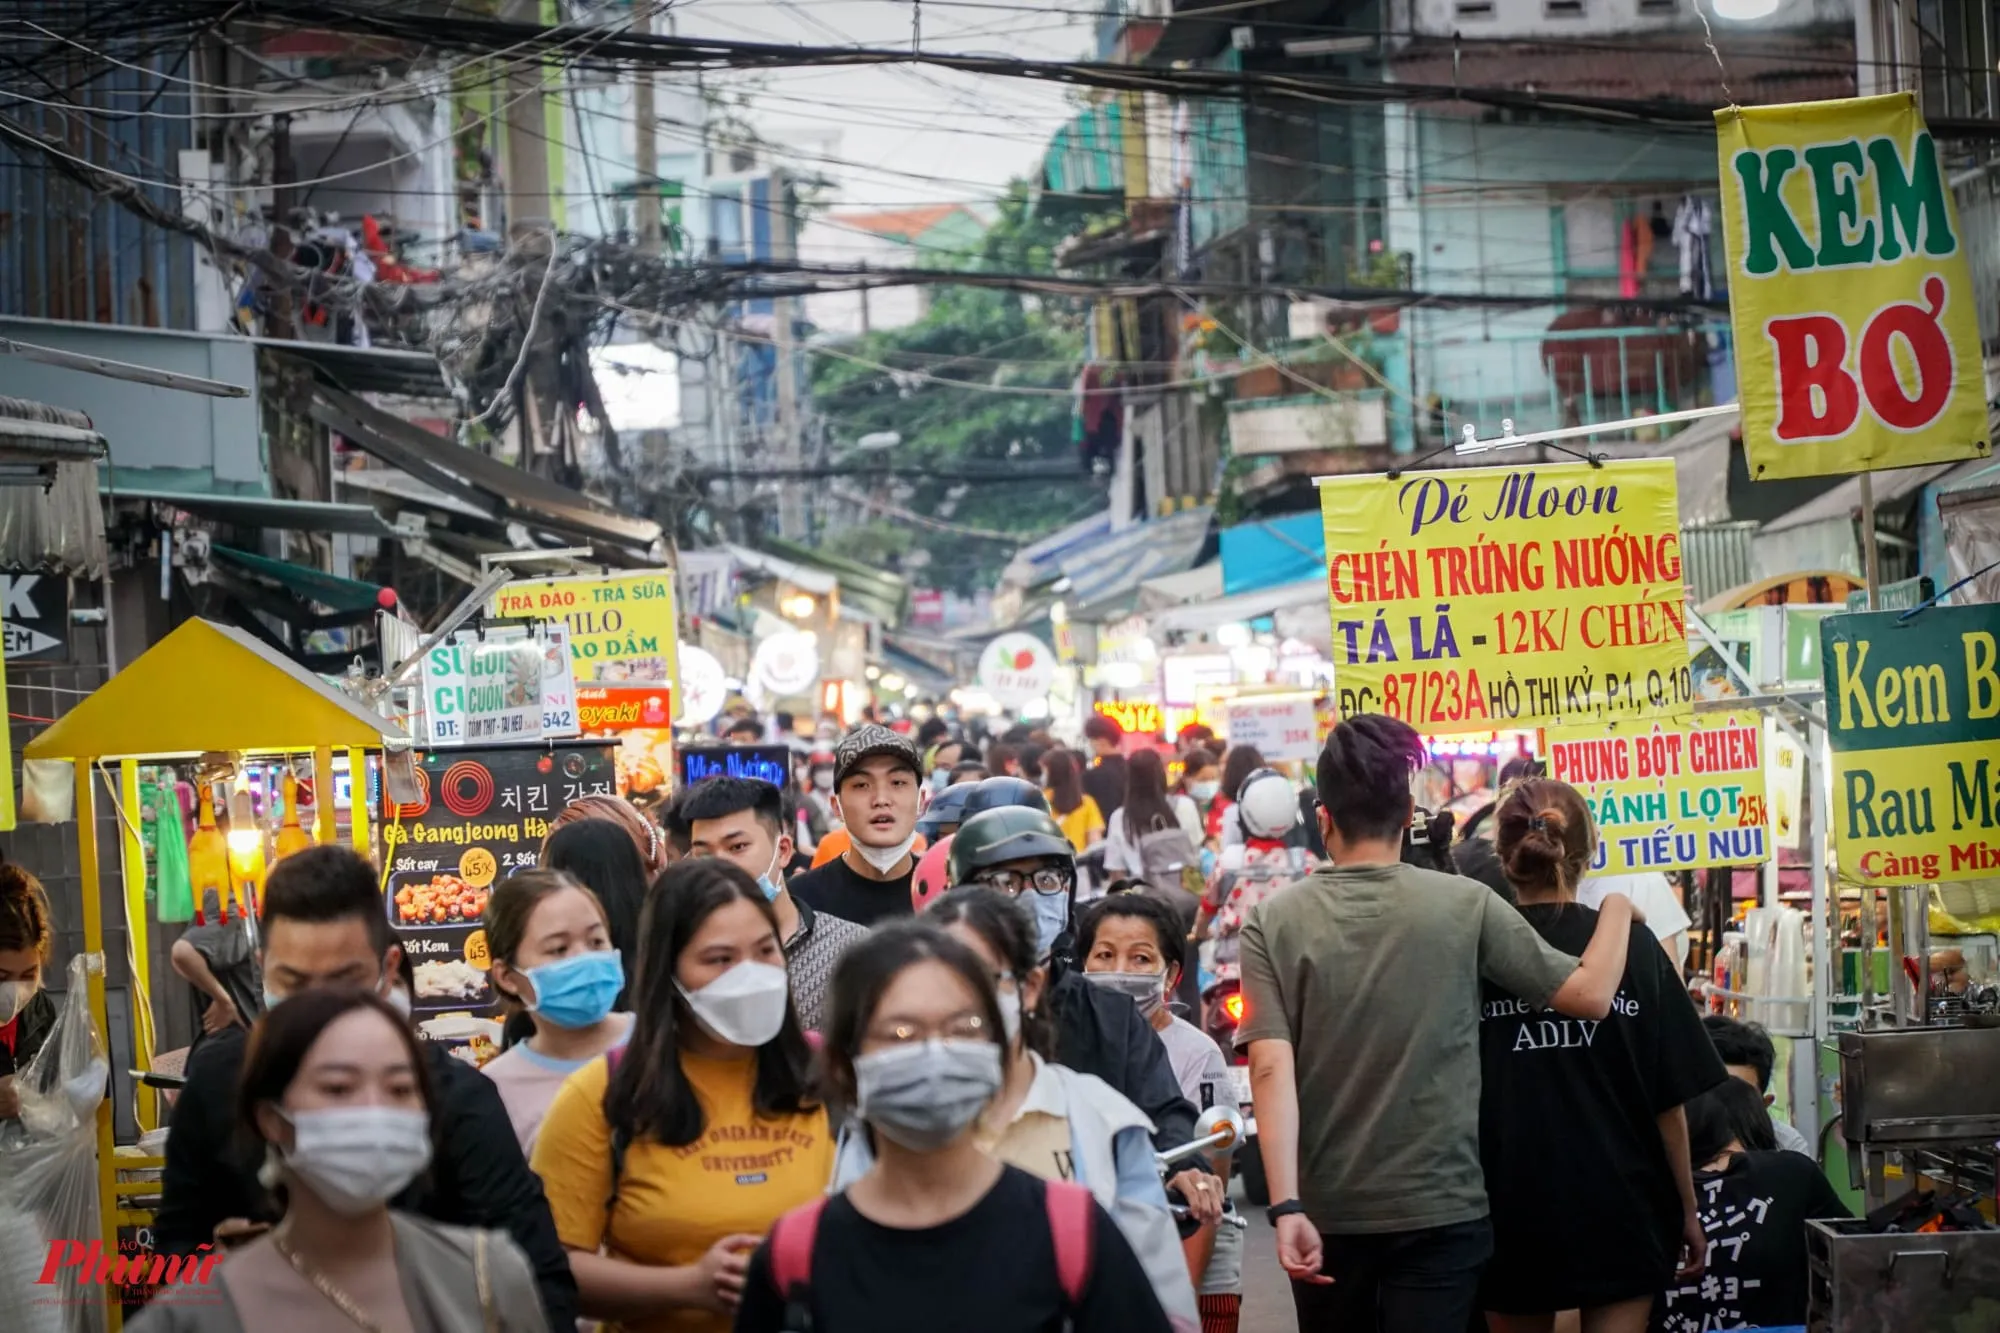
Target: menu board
[{"x": 480, "y": 815}]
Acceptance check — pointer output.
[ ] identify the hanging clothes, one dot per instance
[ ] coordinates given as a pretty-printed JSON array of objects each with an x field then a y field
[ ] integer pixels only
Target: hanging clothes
[
  {"x": 1694, "y": 221},
  {"x": 1629, "y": 267}
]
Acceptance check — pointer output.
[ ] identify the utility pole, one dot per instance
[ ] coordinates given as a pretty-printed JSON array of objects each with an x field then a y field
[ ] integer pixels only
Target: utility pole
[
  {"x": 645, "y": 145},
  {"x": 529, "y": 208},
  {"x": 792, "y": 487}
]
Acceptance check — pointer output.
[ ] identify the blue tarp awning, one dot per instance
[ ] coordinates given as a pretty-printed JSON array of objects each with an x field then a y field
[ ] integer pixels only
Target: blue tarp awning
[{"x": 1273, "y": 551}]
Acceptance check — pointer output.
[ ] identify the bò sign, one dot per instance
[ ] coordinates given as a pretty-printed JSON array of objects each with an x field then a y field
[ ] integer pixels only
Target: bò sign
[{"x": 1857, "y": 341}]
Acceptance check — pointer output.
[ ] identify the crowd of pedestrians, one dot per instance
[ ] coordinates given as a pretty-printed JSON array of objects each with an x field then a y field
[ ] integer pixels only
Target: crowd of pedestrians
[{"x": 926, "y": 1083}]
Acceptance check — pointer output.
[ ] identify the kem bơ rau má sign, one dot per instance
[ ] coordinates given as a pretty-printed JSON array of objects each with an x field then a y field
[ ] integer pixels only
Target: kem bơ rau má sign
[{"x": 1913, "y": 718}]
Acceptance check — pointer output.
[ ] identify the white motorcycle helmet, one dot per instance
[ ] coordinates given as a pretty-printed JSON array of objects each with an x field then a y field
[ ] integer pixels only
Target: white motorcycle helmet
[{"x": 1267, "y": 804}]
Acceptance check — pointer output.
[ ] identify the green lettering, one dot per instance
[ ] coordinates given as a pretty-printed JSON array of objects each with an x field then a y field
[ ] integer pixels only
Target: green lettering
[
  {"x": 1971, "y": 797},
  {"x": 1765, "y": 217},
  {"x": 1913, "y": 201},
  {"x": 1839, "y": 202}
]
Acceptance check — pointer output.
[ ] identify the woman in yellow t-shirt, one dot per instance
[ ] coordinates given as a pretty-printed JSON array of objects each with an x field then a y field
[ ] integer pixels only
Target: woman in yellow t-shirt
[
  {"x": 666, "y": 1161},
  {"x": 1074, "y": 810}
]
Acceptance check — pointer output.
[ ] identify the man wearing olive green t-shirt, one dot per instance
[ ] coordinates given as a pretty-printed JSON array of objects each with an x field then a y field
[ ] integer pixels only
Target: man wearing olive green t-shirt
[{"x": 1361, "y": 985}]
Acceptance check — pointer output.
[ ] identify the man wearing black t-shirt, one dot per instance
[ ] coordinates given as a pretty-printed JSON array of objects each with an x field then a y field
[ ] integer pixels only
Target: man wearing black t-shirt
[
  {"x": 1104, "y": 780},
  {"x": 877, "y": 779}
]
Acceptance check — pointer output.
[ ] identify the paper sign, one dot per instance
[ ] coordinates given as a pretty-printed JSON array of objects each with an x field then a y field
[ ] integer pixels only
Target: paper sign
[
  {"x": 1671, "y": 795},
  {"x": 1857, "y": 331},
  {"x": 1913, "y": 718},
  {"x": 1277, "y": 728},
  {"x": 1487, "y": 599},
  {"x": 558, "y": 682},
  {"x": 621, "y": 626}
]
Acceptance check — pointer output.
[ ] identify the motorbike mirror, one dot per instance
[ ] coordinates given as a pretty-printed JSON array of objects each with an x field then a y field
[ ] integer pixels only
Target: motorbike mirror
[{"x": 1217, "y": 1122}]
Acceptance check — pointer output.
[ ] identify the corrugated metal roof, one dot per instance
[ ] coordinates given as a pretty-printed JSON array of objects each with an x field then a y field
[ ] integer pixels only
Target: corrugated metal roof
[
  {"x": 1087, "y": 156},
  {"x": 1890, "y": 486}
]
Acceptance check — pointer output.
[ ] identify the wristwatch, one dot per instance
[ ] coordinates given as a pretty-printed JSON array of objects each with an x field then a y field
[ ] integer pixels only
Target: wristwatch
[{"x": 1289, "y": 1208}]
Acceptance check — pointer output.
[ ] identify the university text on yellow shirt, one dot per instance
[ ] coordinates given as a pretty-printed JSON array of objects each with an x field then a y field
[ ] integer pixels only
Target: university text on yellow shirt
[{"x": 739, "y": 1176}]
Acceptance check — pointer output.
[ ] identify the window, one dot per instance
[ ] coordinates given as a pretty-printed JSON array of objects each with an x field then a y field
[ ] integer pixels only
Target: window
[
  {"x": 726, "y": 221},
  {"x": 1475, "y": 9},
  {"x": 1659, "y": 7},
  {"x": 1563, "y": 9}
]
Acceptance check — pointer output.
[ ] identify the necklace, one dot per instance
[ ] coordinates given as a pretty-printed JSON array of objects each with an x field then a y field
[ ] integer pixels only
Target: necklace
[{"x": 343, "y": 1302}]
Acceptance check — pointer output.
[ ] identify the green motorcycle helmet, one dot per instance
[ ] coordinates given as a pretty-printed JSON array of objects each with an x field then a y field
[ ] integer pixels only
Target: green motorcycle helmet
[{"x": 1008, "y": 833}]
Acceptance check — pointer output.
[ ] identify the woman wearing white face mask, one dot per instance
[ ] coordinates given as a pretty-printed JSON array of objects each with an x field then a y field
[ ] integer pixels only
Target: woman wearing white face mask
[
  {"x": 336, "y": 1088},
  {"x": 667, "y": 1160},
  {"x": 550, "y": 942},
  {"x": 1049, "y": 1120},
  {"x": 935, "y": 1232}
]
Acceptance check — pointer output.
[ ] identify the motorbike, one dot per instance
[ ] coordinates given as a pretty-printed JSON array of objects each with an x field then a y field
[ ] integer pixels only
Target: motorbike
[
  {"x": 1220, "y": 1129},
  {"x": 1221, "y": 1015}
]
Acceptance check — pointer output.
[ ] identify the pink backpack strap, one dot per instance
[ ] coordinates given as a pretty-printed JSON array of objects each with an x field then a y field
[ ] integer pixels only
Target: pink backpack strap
[
  {"x": 1072, "y": 1225},
  {"x": 792, "y": 1238}
]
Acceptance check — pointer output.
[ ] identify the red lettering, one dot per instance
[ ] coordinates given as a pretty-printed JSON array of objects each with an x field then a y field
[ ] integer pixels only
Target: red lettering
[
  {"x": 62, "y": 1254},
  {"x": 1918, "y": 327},
  {"x": 1817, "y": 398}
]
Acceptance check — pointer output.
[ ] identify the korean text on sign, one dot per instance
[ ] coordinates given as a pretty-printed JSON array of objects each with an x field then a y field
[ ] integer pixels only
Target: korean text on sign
[
  {"x": 1913, "y": 717},
  {"x": 621, "y": 626},
  {"x": 1672, "y": 795},
  {"x": 1857, "y": 335},
  {"x": 1491, "y": 598}
]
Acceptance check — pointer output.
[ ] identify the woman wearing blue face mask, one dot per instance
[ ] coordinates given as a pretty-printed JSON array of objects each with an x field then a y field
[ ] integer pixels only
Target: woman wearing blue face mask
[
  {"x": 550, "y": 942},
  {"x": 933, "y": 1231}
]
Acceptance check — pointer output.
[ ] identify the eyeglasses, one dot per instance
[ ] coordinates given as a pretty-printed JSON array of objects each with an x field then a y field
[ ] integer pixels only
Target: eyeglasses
[
  {"x": 1048, "y": 879},
  {"x": 964, "y": 1027}
]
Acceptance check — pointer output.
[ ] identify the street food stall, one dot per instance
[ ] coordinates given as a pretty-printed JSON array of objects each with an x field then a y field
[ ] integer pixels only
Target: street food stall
[{"x": 204, "y": 690}]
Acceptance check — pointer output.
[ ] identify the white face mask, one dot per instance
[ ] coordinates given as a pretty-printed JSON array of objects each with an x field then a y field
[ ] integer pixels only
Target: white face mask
[
  {"x": 884, "y": 859},
  {"x": 356, "y": 1158},
  {"x": 14, "y": 997},
  {"x": 745, "y": 1006}
]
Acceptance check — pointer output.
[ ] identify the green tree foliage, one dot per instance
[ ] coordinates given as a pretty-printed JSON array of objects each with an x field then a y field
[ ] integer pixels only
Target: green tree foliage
[{"x": 982, "y": 340}]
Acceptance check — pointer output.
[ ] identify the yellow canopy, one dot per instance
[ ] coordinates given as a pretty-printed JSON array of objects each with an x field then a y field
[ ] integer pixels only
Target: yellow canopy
[{"x": 210, "y": 687}]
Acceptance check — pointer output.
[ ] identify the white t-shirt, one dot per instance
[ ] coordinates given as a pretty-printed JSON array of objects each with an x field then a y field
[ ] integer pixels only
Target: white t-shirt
[
  {"x": 1651, "y": 894},
  {"x": 1198, "y": 1066}
]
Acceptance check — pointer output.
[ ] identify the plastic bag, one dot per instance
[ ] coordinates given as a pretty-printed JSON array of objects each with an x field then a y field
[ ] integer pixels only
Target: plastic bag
[{"x": 48, "y": 1173}]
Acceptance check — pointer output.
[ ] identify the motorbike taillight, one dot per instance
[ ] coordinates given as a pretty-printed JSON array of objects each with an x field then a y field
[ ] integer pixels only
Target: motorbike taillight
[{"x": 1233, "y": 1006}]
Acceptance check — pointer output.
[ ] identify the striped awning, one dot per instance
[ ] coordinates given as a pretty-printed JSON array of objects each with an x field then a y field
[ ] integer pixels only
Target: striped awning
[{"x": 1105, "y": 574}]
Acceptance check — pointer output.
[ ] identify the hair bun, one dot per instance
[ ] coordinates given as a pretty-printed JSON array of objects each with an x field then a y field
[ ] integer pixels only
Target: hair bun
[{"x": 1550, "y": 820}]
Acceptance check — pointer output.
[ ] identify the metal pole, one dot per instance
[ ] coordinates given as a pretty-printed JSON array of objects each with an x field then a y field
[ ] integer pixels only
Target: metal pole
[
  {"x": 1870, "y": 556},
  {"x": 791, "y": 490},
  {"x": 645, "y": 145}
]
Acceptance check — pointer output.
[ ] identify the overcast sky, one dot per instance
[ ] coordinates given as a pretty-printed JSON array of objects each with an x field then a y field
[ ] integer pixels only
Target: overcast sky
[{"x": 906, "y": 134}]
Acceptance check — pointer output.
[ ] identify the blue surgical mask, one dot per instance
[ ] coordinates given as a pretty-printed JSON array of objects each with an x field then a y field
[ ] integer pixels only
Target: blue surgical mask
[
  {"x": 577, "y": 991},
  {"x": 768, "y": 881},
  {"x": 1051, "y": 919}
]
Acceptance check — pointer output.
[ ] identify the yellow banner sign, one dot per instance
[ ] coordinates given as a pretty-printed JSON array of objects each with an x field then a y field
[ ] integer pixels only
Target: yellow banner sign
[
  {"x": 1484, "y": 598},
  {"x": 1913, "y": 719},
  {"x": 1673, "y": 795},
  {"x": 1857, "y": 339},
  {"x": 622, "y": 627}
]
